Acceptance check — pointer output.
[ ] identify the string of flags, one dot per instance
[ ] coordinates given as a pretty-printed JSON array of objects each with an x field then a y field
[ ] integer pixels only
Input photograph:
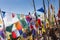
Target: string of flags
[{"x": 19, "y": 24}]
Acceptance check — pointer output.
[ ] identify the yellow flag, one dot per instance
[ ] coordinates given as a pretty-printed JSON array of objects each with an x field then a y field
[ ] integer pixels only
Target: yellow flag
[
  {"x": 7, "y": 34},
  {"x": 43, "y": 29},
  {"x": 1, "y": 21}
]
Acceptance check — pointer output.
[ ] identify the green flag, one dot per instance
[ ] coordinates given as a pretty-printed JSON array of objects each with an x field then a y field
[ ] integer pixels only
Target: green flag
[
  {"x": 18, "y": 15},
  {"x": 24, "y": 24},
  {"x": 9, "y": 28},
  {"x": 22, "y": 20}
]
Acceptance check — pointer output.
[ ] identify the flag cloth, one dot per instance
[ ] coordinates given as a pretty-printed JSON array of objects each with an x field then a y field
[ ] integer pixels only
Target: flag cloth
[
  {"x": 43, "y": 29},
  {"x": 28, "y": 18},
  {"x": 47, "y": 23},
  {"x": 39, "y": 22},
  {"x": 2, "y": 34},
  {"x": 17, "y": 33},
  {"x": 31, "y": 27},
  {"x": 24, "y": 35},
  {"x": 18, "y": 25},
  {"x": 18, "y": 15},
  {"x": 24, "y": 24},
  {"x": 14, "y": 35},
  {"x": 3, "y": 14},
  {"x": 9, "y": 28},
  {"x": 13, "y": 15},
  {"x": 23, "y": 21},
  {"x": 37, "y": 25},
  {"x": 8, "y": 35},
  {"x": 33, "y": 32},
  {"x": 21, "y": 32},
  {"x": 1, "y": 21},
  {"x": 58, "y": 14},
  {"x": 41, "y": 10},
  {"x": 15, "y": 30},
  {"x": 14, "y": 27},
  {"x": 1, "y": 27},
  {"x": 9, "y": 19}
]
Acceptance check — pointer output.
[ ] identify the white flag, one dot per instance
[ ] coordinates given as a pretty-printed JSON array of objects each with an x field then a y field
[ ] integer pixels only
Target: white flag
[
  {"x": 8, "y": 19},
  {"x": 17, "y": 33}
]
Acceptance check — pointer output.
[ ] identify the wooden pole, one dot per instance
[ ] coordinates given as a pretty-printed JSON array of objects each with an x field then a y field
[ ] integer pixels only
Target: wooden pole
[
  {"x": 34, "y": 9},
  {"x": 59, "y": 22},
  {"x": 44, "y": 11},
  {"x": 49, "y": 19},
  {"x": 59, "y": 4},
  {"x": 3, "y": 26},
  {"x": 44, "y": 19},
  {"x": 34, "y": 5}
]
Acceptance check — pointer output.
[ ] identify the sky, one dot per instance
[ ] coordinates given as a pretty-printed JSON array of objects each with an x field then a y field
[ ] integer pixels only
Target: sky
[{"x": 25, "y": 6}]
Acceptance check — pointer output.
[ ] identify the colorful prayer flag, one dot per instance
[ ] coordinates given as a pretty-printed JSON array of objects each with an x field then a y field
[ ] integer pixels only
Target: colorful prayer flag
[
  {"x": 9, "y": 19},
  {"x": 17, "y": 33},
  {"x": 41, "y": 10},
  {"x": 8, "y": 35},
  {"x": 9, "y": 28},
  {"x": 24, "y": 24},
  {"x": 18, "y": 25},
  {"x": 14, "y": 35}
]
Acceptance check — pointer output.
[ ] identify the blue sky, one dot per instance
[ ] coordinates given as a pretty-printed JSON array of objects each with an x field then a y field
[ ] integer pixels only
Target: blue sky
[{"x": 24, "y": 6}]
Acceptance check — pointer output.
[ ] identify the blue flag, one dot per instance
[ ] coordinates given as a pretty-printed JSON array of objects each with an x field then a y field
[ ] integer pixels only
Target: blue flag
[
  {"x": 3, "y": 14},
  {"x": 41, "y": 10}
]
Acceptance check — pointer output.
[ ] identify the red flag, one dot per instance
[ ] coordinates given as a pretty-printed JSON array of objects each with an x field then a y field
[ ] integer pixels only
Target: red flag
[
  {"x": 14, "y": 35},
  {"x": 59, "y": 16},
  {"x": 59, "y": 13},
  {"x": 31, "y": 27},
  {"x": 39, "y": 22},
  {"x": 28, "y": 18}
]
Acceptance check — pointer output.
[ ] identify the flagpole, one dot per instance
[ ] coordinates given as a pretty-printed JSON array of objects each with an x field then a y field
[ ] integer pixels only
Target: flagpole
[
  {"x": 58, "y": 18},
  {"x": 44, "y": 18},
  {"x": 49, "y": 14},
  {"x": 44, "y": 12},
  {"x": 3, "y": 26},
  {"x": 34, "y": 11},
  {"x": 34, "y": 8},
  {"x": 49, "y": 17},
  {"x": 59, "y": 4},
  {"x": 59, "y": 13}
]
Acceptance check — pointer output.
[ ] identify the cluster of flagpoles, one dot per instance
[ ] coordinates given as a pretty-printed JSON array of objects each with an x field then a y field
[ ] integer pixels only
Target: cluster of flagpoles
[
  {"x": 49, "y": 14},
  {"x": 35, "y": 13},
  {"x": 44, "y": 14}
]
